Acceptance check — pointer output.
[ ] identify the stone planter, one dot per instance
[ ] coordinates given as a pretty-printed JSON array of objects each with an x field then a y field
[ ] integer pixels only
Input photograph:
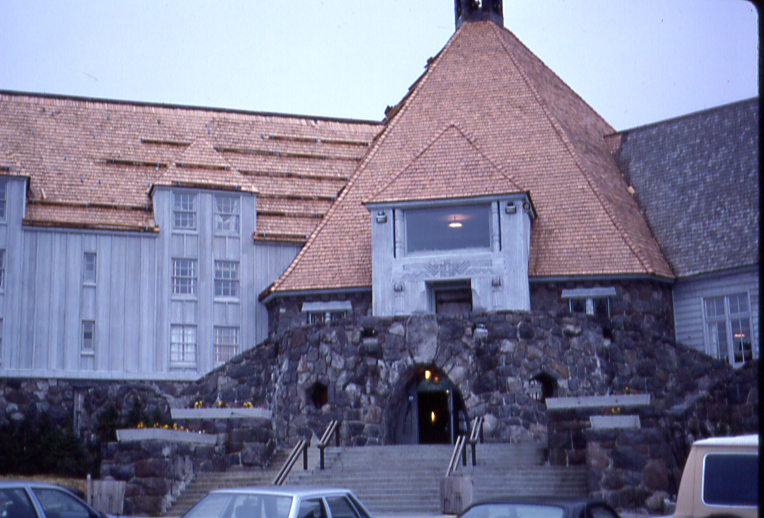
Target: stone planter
[
  {"x": 609, "y": 422},
  {"x": 220, "y": 413},
  {"x": 565, "y": 403},
  {"x": 161, "y": 434}
]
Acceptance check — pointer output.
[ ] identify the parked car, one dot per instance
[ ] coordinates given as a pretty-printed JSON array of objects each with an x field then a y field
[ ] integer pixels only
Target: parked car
[
  {"x": 536, "y": 507},
  {"x": 32, "y": 500},
  {"x": 279, "y": 502},
  {"x": 720, "y": 477}
]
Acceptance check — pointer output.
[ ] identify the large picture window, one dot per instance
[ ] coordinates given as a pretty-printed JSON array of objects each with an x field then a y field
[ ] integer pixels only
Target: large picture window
[
  {"x": 184, "y": 211},
  {"x": 183, "y": 345},
  {"x": 728, "y": 326},
  {"x": 448, "y": 228}
]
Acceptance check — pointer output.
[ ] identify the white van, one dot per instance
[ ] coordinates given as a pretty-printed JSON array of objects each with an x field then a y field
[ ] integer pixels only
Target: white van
[{"x": 721, "y": 477}]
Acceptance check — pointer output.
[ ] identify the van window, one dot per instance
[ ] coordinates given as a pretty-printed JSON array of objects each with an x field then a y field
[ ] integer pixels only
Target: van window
[{"x": 731, "y": 479}]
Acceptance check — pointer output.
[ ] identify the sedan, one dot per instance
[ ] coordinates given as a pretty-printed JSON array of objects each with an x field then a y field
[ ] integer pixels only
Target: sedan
[
  {"x": 535, "y": 507},
  {"x": 32, "y": 500},
  {"x": 279, "y": 502}
]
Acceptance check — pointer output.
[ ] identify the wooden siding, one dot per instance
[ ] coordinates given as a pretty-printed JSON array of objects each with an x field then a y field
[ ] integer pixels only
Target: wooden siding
[
  {"x": 46, "y": 298},
  {"x": 689, "y": 293}
]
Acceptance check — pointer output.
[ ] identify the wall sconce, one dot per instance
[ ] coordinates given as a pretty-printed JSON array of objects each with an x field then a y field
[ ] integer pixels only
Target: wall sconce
[
  {"x": 526, "y": 206},
  {"x": 427, "y": 374},
  {"x": 432, "y": 416},
  {"x": 381, "y": 217},
  {"x": 511, "y": 209}
]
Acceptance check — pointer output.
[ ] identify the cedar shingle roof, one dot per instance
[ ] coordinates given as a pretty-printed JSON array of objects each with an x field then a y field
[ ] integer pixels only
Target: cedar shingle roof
[
  {"x": 534, "y": 128},
  {"x": 450, "y": 165},
  {"x": 92, "y": 163}
]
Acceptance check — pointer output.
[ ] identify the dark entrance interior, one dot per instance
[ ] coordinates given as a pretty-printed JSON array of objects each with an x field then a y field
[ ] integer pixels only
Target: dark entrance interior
[
  {"x": 452, "y": 298},
  {"x": 433, "y": 411}
]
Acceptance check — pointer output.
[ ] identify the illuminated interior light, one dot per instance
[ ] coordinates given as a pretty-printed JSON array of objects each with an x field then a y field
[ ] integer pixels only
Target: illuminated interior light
[
  {"x": 432, "y": 416},
  {"x": 427, "y": 374},
  {"x": 454, "y": 223}
]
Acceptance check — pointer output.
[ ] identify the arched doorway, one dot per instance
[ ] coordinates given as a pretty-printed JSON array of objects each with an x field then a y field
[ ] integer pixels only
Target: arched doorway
[{"x": 433, "y": 410}]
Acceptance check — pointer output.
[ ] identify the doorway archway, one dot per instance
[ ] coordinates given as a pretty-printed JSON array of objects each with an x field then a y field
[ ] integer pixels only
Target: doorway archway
[{"x": 432, "y": 410}]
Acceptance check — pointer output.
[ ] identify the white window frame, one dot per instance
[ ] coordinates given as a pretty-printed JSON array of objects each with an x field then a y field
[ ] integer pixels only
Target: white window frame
[
  {"x": 184, "y": 285},
  {"x": 226, "y": 214},
  {"x": 88, "y": 327},
  {"x": 87, "y": 278},
  {"x": 183, "y": 345},
  {"x": 728, "y": 318},
  {"x": 184, "y": 215},
  {"x": 327, "y": 311},
  {"x": 226, "y": 343},
  {"x": 227, "y": 279},
  {"x": 589, "y": 296}
]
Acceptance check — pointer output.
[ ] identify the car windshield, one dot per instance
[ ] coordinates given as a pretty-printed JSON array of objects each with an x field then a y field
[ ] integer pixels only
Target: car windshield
[
  {"x": 514, "y": 511},
  {"x": 232, "y": 505}
]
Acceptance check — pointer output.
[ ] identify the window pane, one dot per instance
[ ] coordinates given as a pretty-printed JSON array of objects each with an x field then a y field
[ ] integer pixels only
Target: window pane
[
  {"x": 2, "y": 269},
  {"x": 184, "y": 211},
  {"x": 226, "y": 213},
  {"x": 226, "y": 343},
  {"x": 731, "y": 480},
  {"x": 742, "y": 343},
  {"x": 88, "y": 335},
  {"x": 184, "y": 276},
  {"x": 89, "y": 268},
  {"x": 311, "y": 509},
  {"x": 448, "y": 228},
  {"x": 341, "y": 507},
  {"x": 2, "y": 199},
  {"x": 183, "y": 344},
  {"x": 717, "y": 337},
  {"x": 226, "y": 279},
  {"x": 715, "y": 307},
  {"x": 57, "y": 504},
  {"x": 738, "y": 303}
]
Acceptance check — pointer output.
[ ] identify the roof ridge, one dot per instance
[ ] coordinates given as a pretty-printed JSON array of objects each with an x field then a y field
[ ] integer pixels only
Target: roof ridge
[
  {"x": 362, "y": 165},
  {"x": 573, "y": 153}
]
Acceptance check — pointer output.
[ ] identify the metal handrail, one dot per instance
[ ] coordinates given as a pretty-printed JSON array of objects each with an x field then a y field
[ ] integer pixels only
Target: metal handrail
[
  {"x": 456, "y": 454},
  {"x": 331, "y": 429},
  {"x": 301, "y": 447},
  {"x": 477, "y": 434}
]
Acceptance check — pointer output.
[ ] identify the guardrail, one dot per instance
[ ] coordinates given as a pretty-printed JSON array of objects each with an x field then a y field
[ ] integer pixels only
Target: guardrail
[
  {"x": 300, "y": 448},
  {"x": 461, "y": 443}
]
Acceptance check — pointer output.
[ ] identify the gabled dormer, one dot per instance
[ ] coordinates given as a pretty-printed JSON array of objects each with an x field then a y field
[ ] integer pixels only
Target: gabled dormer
[{"x": 450, "y": 233}]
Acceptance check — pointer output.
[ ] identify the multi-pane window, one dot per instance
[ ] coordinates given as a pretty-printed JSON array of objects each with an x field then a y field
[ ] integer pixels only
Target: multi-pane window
[
  {"x": 226, "y": 343},
  {"x": 184, "y": 211},
  {"x": 226, "y": 279},
  {"x": 728, "y": 325},
  {"x": 184, "y": 276},
  {"x": 88, "y": 337},
  {"x": 183, "y": 345},
  {"x": 226, "y": 214},
  {"x": 2, "y": 269},
  {"x": 3, "y": 197},
  {"x": 89, "y": 267}
]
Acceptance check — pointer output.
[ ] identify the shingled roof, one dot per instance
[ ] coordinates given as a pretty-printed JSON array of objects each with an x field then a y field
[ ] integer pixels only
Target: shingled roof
[
  {"x": 697, "y": 179},
  {"x": 93, "y": 163},
  {"x": 527, "y": 122}
]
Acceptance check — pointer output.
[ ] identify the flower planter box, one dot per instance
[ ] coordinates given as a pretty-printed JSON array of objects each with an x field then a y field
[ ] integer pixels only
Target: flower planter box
[
  {"x": 162, "y": 434},
  {"x": 609, "y": 422},
  {"x": 565, "y": 403},
  {"x": 220, "y": 413}
]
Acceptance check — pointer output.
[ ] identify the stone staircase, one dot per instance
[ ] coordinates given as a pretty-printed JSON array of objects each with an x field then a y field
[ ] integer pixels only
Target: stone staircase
[{"x": 406, "y": 478}]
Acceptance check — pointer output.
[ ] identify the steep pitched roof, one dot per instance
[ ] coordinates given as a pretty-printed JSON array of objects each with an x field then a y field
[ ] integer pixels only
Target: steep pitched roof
[
  {"x": 535, "y": 128},
  {"x": 92, "y": 163},
  {"x": 451, "y": 164},
  {"x": 697, "y": 180}
]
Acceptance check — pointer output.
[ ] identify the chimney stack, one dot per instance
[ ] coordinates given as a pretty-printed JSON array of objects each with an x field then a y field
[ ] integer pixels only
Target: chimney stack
[{"x": 477, "y": 10}]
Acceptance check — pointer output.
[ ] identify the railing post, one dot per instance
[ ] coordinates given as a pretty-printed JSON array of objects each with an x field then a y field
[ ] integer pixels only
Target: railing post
[
  {"x": 322, "y": 457},
  {"x": 305, "y": 456},
  {"x": 474, "y": 461},
  {"x": 337, "y": 434}
]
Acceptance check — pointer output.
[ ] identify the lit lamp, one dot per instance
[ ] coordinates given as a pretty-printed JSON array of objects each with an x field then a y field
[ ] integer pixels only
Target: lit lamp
[
  {"x": 453, "y": 223},
  {"x": 427, "y": 374},
  {"x": 432, "y": 416}
]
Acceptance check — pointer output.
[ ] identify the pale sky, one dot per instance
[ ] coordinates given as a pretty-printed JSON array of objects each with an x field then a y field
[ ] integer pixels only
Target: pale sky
[{"x": 634, "y": 61}]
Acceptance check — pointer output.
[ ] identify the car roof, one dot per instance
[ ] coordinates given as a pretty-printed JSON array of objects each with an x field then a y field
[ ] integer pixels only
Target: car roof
[
  {"x": 27, "y": 483},
  {"x": 295, "y": 491},
  {"x": 741, "y": 440},
  {"x": 567, "y": 503}
]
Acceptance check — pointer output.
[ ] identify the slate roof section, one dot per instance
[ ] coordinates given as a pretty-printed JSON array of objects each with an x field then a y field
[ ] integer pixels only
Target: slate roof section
[
  {"x": 92, "y": 163},
  {"x": 696, "y": 178},
  {"x": 535, "y": 129}
]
